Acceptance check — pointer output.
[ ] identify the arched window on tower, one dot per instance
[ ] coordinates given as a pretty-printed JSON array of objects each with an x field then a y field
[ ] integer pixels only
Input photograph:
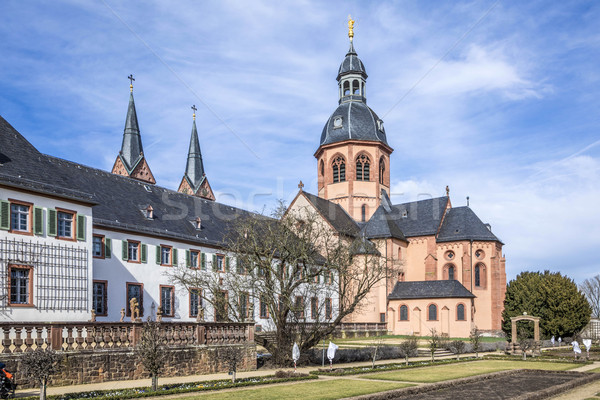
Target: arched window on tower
[
  {"x": 355, "y": 87},
  {"x": 451, "y": 273},
  {"x": 322, "y": 168},
  {"x": 381, "y": 170},
  {"x": 339, "y": 169},
  {"x": 363, "y": 213},
  {"x": 346, "y": 88},
  {"x": 480, "y": 275},
  {"x": 362, "y": 168}
]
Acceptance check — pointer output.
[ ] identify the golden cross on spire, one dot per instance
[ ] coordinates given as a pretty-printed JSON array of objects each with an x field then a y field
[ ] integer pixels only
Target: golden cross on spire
[
  {"x": 194, "y": 114},
  {"x": 131, "y": 79},
  {"x": 350, "y": 27}
]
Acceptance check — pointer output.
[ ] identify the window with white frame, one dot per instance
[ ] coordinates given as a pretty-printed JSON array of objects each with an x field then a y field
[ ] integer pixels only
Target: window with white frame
[
  {"x": 19, "y": 217},
  {"x": 166, "y": 300},
  {"x": 65, "y": 224},
  {"x": 99, "y": 300}
]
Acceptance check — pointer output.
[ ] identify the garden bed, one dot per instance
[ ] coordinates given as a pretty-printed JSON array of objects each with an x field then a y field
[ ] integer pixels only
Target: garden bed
[
  {"x": 134, "y": 393},
  {"x": 386, "y": 367}
]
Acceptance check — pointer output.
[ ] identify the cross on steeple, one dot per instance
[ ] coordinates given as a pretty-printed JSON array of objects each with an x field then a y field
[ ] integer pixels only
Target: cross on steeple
[
  {"x": 194, "y": 108},
  {"x": 131, "y": 79}
]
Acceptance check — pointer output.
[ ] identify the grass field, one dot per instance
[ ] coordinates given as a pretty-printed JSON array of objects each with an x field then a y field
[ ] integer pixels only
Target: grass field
[
  {"x": 462, "y": 370},
  {"x": 325, "y": 389},
  {"x": 395, "y": 338}
]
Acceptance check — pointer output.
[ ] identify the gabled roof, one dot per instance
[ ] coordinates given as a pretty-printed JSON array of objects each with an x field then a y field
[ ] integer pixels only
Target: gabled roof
[
  {"x": 461, "y": 223},
  {"x": 419, "y": 218},
  {"x": 429, "y": 290},
  {"x": 382, "y": 225},
  {"x": 119, "y": 199},
  {"x": 334, "y": 214}
]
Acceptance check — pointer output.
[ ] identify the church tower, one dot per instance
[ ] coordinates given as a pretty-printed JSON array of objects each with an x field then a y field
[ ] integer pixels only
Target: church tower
[
  {"x": 353, "y": 158},
  {"x": 131, "y": 161},
  {"x": 194, "y": 180}
]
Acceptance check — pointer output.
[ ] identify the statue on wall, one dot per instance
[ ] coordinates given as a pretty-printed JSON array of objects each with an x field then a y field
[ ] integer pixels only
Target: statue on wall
[{"x": 134, "y": 308}]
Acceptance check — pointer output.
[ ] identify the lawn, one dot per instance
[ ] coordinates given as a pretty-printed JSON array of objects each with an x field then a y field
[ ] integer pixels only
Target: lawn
[
  {"x": 324, "y": 389},
  {"x": 396, "y": 338},
  {"x": 462, "y": 370}
]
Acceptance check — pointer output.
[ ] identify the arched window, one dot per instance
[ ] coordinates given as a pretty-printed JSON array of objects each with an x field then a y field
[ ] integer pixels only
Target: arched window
[
  {"x": 381, "y": 170},
  {"x": 339, "y": 169},
  {"x": 322, "y": 168},
  {"x": 346, "y": 88},
  {"x": 460, "y": 312},
  {"x": 355, "y": 87},
  {"x": 480, "y": 275},
  {"x": 363, "y": 212},
  {"x": 432, "y": 312},
  {"x": 451, "y": 273},
  {"x": 362, "y": 168},
  {"x": 403, "y": 313}
]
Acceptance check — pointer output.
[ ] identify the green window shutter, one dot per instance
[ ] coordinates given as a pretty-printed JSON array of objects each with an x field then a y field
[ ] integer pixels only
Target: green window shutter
[
  {"x": 158, "y": 255},
  {"x": 144, "y": 253},
  {"x": 51, "y": 222},
  {"x": 227, "y": 263},
  {"x": 80, "y": 227},
  {"x": 124, "y": 250},
  {"x": 174, "y": 259},
  {"x": 4, "y": 215},
  {"x": 107, "y": 248},
  {"x": 187, "y": 258},
  {"x": 38, "y": 220},
  {"x": 203, "y": 261},
  {"x": 214, "y": 262}
]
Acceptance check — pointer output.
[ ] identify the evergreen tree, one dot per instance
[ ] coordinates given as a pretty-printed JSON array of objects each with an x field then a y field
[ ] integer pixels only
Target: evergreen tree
[{"x": 562, "y": 308}]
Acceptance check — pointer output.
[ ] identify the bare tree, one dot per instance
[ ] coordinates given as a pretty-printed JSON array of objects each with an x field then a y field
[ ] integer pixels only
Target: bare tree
[
  {"x": 475, "y": 339},
  {"x": 434, "y": 342},
  {"x": 377, "y": 344},
  {"x": 39, "y": 365},
  {"x": 233, "y": 357},
  {"x": 591, "y": 289},
  {"x": 457, "y": 347},
  {"x": 408, "y": 348},
  {"x": 304, "y": 275},
  {"x": 151, "y": 351}
]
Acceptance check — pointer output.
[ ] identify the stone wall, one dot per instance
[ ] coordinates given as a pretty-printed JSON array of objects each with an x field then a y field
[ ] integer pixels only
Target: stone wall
[{"x": 97, "y": 366}]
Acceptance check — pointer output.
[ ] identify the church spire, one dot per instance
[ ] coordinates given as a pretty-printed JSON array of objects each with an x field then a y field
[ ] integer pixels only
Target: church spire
[
  {"x": 194, "y": 179},
  {"x": 130, "y": 161}
]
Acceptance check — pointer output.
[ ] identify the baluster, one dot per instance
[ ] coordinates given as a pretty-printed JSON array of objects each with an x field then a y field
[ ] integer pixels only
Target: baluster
[
  {"x": 39, "y": 341},
  {"x": 18, "y": 342},
  {"x": 114, "y": 334},
  {"x": 6, "y": 342},
  {"x": 79, "y": 339},
  {"x": 70, "y": 338},
  {"x": 28, "y": 338}
]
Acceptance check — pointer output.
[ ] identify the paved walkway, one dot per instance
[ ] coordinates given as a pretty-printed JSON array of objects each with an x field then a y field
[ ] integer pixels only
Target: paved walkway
[{"x": 199, "y": 378}]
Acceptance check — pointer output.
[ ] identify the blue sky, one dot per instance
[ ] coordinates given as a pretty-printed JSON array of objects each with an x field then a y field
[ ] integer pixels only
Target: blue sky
[{"x": 499, "y": 100}]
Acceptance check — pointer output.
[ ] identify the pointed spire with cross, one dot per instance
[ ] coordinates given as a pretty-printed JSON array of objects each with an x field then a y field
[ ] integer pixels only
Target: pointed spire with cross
[
  {"x": 131, "y": 79},
  {"x": 194, "y": 109}
]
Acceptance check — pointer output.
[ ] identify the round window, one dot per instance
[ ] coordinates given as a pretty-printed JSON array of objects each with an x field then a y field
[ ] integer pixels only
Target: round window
[
  {"x": 337, "y": 122},
  {"x": 449, "y": 255},
  {"x": 479, "y": 254}
]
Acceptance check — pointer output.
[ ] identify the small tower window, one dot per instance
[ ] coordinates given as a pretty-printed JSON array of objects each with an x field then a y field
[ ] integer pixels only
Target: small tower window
[
  {"x": 355, "y": 87},
  {"x": 380, "y": 125},
  {"x": 346, "y": 88},
  {"x": 337, "y": 122},
  {"x": 322, "y": 168},
  {"x": 339, "y": 169},
  {"x": 363, "y": 212},
  {"x": 451, "y": 273},
  {"x": 362, "y": 168},
  {"x": 381, "y": 170}
]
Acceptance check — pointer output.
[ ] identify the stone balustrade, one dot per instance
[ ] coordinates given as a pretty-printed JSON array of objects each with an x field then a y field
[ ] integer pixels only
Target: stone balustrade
[{"x": 93, "y": 336}]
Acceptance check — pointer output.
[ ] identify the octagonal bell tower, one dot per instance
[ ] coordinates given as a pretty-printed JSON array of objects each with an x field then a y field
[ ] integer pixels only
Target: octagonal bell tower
[{"x": 353, "y": 158}]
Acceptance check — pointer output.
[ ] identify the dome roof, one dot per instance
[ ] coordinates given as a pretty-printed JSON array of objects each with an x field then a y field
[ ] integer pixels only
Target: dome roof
[
  {"x": 353, "y": 120},
  {"x": 352, "y": 64}
]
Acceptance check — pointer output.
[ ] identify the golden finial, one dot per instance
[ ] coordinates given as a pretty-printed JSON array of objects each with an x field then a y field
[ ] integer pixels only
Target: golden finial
[
  {"x": 194, "y": 114},
  {"x": 350, "y": 27},
  {"x": 131, "y": 79}
]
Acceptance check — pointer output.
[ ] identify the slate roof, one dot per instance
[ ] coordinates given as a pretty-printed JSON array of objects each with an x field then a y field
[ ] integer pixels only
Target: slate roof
[
  {"x": 131, "y": 148},
  {"x": 362, "y": 245},
  {"x": 335, "y": 214},
  {"x": 359, "y": 122},
  {"x": 382, "y": 225},
  {"x": 351, "y": 64},
  {"x": 194, "y": 168},
  {"x": 461, "y": 223},
  {"x": 419, "y": 218},
  {"x": 119, "y": 199},
  {"x": 429, "y": 290}
]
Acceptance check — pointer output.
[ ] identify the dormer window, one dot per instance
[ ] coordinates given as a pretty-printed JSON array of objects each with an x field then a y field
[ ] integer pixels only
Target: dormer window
[
  {"x": 404, "y": 214},
  {"x": 337, "y": 122},
  {"x": 380, "y": 125},
  {"x": 198, "y": 223},
  {"x": 149, "y": 212}
]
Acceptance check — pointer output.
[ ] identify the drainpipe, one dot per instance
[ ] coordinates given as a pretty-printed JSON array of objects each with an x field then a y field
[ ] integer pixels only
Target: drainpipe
[{"x": 471, "y": 256}]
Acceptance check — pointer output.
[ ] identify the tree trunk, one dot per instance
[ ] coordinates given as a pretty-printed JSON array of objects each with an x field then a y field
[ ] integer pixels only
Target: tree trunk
[
  {"x": 407, "y": 361},
  {"x": 524, "y": 355},
  {"x": 233, "y": 376},
  {"x": 43, "y": 390},
  {"x": 154, "y": 382}
]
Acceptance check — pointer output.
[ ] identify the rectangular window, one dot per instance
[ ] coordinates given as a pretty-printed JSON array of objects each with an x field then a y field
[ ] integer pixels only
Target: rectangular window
[
  {"x": 99, "y": 298},
  {"x": 220, "y": 263},
  {"x": 328, "y": 309},
  {"x": 165, "y": 255},
  {"x": 244, "y": 306},
  {"x": 195, "y": 302},
  {"x": 166, "y": 300},
  {"x": 98, "y": 246},
  {"x": 299, "y": 307},
  {"x": 221, "y": 306},
  {"x": 240, "y": 267},
  {"x": 20, "y": 288},
  {"x": 135, "y": 290},
  {"x": 20, "y": 217},
  {"x": 133, "y": 251},
  {"x": 314, "y": 308},
  {"x": 65, "y": 224},
  {"x": 382, "y": 317},
  {"x": 194, "y": 259},
  {"x": 264, "y": 308},
  {"x": 329, "y": 277}
]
